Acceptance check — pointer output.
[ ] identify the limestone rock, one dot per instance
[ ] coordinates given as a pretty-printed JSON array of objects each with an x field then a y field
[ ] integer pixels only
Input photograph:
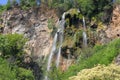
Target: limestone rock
[
  {"x": 114, "y": 30},
  {"x": 33, "y": 26}
]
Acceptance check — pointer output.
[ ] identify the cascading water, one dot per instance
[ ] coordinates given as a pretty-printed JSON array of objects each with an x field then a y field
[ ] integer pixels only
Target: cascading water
[
  {"x": 59, "y": 33},
  {"x": 84, "y": 34},
  {"x": 84, "y": 23},
  {"x": 84, "y": 38},
  {"x": 51, "y": 54}
]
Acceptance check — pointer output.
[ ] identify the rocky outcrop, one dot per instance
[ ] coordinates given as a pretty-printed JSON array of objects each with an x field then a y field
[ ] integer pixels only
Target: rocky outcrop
[
  {"x": 117, "y": 60},
  {"x": 33, "y": 24},
  {"x": 113, "y": 30}
]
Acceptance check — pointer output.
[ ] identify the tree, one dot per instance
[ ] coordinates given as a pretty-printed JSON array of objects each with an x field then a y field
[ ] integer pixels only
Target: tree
[
  {"x": 11, "y": 44},
  {"x": 86, "y": 7}
]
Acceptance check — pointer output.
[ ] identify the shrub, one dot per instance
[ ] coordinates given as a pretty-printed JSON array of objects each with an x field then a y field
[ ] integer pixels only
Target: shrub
[
  {"x": 100, "y": 72},
  {"x": 51, "y": 24},
  {"x": 9, "y": 72},
  {"x": 6, "y": 73},
  {"x": 23, "y": 74},
  {"x": 12, "y": 44}
]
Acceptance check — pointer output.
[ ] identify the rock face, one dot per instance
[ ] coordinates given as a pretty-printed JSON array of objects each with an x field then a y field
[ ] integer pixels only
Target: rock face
[
  {"x": 114, "y": 30},
  {"x": 33, "y": 24},
  {"x": 117, "y": 60}
]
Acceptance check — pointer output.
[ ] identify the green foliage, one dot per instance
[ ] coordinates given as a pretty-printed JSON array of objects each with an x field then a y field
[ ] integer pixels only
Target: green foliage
[
  {"x": 89, "y": 8},
  {"x": 86, "y": 7},
  {"x": 101, "y": 55},
  {"x": 26, "y": 4},
  {"x": 6, "y": 72},
  {"x": 102, "y": 9},
  {"x": 51, "y": 24},
  {"x": 9, "y": 72},
  {"x": 8, "y": 5},
  {"x": 60, "y": 5},
  {"x": 77, "y": 36},
  {"x": 100, "y": 72},
  {"x": 12, "y": 44},
  {"x": 55, "y": 76},
  {"x": 23, "y": 74},
  {"x": 2, "y": 8},
  {"x": 5, "y": 7},
  {"x": 117, "y": 1}
]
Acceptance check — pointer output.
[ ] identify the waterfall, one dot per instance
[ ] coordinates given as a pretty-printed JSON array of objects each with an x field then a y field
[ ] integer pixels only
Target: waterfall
[
  {"x": 84, "y": 38},
  {"x": 58, "y": 57},
  {"x": 84, "y": 23},
  {"x": 52, "y": 52},
  {"x": 84, "y": 34},
  {"x": 61, "y": 34},
  {"x": 58, "y": 37}
]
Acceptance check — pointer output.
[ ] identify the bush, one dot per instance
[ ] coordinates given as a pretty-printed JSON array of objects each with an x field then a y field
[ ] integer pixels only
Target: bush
[
  {"x": 51, "y": 23},
  {"x": 23, "y": 74},
  {"x": 11, "y": 48},
  {"x": 100, "y": 72},
  {"x": 9, "y": 72},
  {"x": 12, "y": 44},
  {"x": 54, "y": 73},
  {"x": 6, "y": 73}
]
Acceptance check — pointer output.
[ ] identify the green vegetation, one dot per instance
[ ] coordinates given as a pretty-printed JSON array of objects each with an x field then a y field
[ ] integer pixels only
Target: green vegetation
[
  {"x": 4, "y": 7},
  {"x": 12, "y": 44},
  {"x": 24, "y": 74},
  {"x": 9, "y": 72},
  {"x": 51, "y": 23},
  {"x": 101, "y": 55},
  {"x": 26, "y": 4},
  {"x": 6, "y": 73},
  {"x": 11, "y": 58},
  {"x": 117, "y": 1},
  {"x": 96, "y": 11},
  {"x": 89, "y": 8},
  {"x": 100, "y": 72}
]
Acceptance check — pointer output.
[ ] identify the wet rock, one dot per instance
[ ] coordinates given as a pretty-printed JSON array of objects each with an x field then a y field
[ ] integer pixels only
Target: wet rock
[{"x": 103, "y": 37}]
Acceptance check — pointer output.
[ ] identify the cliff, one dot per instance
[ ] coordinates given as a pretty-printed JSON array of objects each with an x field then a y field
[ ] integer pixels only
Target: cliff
[
  {"x": 33, "y": 24},
  {"x": 113, "y": 30}
]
